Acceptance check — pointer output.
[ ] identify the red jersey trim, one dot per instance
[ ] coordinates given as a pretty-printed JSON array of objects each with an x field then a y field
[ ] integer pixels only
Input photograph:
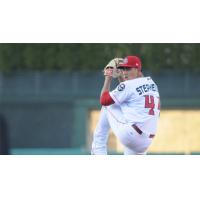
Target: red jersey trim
[{"x": 106, "y": 99}]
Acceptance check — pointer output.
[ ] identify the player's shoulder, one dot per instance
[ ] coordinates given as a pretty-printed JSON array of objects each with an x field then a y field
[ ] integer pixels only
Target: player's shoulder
[
  {"x": 139, "y": 80},
  {"x": 123, "y": 86},
  {"x": 130, "y": 84}
]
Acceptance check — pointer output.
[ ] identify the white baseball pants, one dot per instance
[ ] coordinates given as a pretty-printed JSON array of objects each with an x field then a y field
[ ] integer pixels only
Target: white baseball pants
[{"x": 112, "y": 117}]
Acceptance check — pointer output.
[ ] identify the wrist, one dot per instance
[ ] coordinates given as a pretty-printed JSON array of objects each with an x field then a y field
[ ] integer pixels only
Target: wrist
[{"x": 108, "y": 78}]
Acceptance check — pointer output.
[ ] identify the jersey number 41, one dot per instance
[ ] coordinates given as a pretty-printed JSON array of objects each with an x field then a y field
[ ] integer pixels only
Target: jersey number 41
[{"x": 150, "y": 103}]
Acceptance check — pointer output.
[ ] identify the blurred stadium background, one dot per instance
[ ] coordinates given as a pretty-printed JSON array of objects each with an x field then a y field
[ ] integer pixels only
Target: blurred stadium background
[{"x": 49, "y": 96}]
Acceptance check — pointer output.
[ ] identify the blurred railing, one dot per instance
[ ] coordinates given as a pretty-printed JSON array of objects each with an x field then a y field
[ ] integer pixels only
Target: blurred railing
[{"x": 88, "y": 84}]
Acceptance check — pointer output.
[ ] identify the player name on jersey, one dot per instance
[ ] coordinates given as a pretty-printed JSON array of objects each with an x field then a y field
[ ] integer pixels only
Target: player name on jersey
[{"x": 146, "y": 88}]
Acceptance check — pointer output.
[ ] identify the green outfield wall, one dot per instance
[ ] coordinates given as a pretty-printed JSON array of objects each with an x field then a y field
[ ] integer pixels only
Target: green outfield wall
[{"x": 50, "y": 110}]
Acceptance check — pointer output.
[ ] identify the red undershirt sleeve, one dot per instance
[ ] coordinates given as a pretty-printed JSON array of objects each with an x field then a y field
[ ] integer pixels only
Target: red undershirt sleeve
[{"x": 106, "y": 99}]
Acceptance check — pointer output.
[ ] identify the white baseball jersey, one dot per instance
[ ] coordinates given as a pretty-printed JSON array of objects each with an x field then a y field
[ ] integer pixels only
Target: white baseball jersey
[{"x": 139, "y": 102}]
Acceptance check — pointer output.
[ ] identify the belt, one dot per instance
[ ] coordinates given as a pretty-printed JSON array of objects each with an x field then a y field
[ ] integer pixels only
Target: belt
[{"x": 140, "y": 132}]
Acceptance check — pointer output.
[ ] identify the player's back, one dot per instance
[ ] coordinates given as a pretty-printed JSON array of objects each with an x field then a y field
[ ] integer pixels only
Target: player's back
[{"x": 142, "y": 105}]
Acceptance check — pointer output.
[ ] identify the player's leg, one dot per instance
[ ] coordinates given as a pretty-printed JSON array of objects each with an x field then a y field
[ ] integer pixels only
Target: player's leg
[
  {"x": 119, "y": 125},
  {"x": 100, "y": 136},
  {"x": 139, "y": 145},
  {"x": 133, "y": 142},
  {"x": 128, "y": 151}
]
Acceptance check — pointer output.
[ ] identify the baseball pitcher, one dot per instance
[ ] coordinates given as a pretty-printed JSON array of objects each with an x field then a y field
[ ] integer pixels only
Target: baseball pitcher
[{"x": 131, "y": 110}]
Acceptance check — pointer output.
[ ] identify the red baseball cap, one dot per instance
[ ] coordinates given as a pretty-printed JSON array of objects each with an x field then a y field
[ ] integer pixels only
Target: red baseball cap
[{"x": 132, "y": 62}]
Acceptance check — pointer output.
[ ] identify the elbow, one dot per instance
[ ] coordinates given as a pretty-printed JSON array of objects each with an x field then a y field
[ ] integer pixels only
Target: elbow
[
  {"x": 103, "y": 102},
  {"x": 106, "y": 99}
]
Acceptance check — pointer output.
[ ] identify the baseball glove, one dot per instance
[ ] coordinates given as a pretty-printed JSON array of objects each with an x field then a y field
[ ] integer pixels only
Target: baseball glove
[{"x": 111, "y": 68}]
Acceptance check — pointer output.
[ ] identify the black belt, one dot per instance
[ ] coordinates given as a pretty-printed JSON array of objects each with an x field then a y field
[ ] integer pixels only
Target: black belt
[{"x": 140, "y": 132}]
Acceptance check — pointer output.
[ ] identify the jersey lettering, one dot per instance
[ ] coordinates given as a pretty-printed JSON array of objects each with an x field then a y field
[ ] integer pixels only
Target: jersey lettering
[
  {"x": 146, "y": 88},
  {"x": 149, "y": 103}
]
